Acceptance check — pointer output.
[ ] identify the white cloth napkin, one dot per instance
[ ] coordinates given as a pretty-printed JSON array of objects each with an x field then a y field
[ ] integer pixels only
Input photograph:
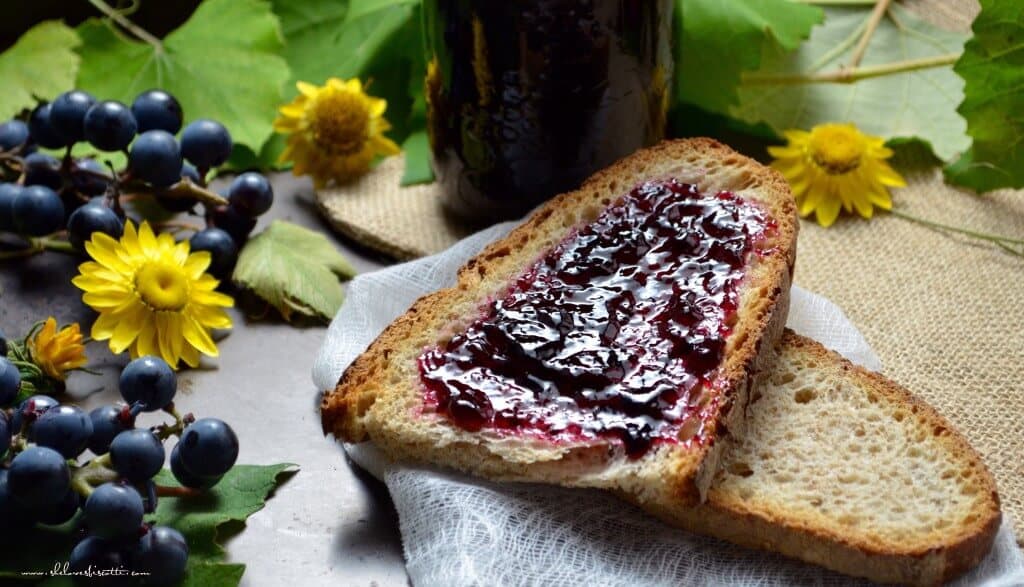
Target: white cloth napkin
[{"x": 457, "y": 530}]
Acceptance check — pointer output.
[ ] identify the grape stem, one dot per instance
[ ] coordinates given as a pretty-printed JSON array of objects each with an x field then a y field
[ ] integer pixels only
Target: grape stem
[
  {"x": 128, "y": 25},
  {"x": 165, "y": 431},
  {"x": 183, "y": 189},
  {"x": 38, "y": 245},
  {"x": 93, "y": 474},
  {"x": 168, "y": 491}
]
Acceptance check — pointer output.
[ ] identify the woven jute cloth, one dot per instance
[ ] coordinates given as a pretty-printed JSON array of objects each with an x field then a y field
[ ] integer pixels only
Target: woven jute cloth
[{"x": 944, "y": 312}]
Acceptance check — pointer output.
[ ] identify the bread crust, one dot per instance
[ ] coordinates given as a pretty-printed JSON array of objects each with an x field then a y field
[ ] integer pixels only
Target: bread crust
[
  {"x": 930, "y": 559},
  {"x": 376, "y": 397}
]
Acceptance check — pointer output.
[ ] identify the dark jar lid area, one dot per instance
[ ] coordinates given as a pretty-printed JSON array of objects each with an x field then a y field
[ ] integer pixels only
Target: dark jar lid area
[{"x": 528, "y": 98}]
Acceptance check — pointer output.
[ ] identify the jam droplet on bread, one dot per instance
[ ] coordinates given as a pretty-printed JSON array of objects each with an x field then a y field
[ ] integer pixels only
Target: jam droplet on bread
[{"x": 613, "y": 332}]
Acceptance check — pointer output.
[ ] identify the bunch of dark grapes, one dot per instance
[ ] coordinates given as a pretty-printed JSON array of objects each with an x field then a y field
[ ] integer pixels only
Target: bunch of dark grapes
[
  {"x": 46, "y": 195},
  {"x": 44, "y": 480}
]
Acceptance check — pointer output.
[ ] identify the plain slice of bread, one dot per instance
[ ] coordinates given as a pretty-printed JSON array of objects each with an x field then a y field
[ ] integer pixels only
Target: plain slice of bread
[
  {"x": 380, "y": 396},
  {"x": 845, "y": 469}
]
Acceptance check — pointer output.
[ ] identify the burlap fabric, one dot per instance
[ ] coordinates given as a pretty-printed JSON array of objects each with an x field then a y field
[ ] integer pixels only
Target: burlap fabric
[{"x": 945, "y": 313}]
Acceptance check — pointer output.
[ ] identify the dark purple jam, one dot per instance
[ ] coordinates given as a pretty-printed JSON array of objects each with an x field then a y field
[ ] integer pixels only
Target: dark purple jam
[{"x": 613, "y": 332}]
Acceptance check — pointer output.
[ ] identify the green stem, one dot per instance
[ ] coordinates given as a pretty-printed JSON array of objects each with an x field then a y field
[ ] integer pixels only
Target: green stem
[
  {"x": 839, "y": 49},
  {"x": 850, "y": 75},
  {"x": 38, "y": 245},
  {"x": 876, "y": 17},
  {"x": 56, "y": 245},
  {"x": 183, "y": 189},
  {"x": 836, "y": 2},
  {"x": 1003, "y": 241},
  {"x": 127, "y": 25},
  {"x": 95, "y": 473}
]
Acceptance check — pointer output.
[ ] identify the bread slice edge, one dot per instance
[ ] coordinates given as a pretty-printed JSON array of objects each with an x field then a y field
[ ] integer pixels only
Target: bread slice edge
[{"x": 929, "y": 559}]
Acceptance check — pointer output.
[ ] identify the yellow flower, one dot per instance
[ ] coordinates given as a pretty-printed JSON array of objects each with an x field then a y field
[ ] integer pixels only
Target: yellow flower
[
  {"x": 57, "y": 351},
  {"x": 836, "y": 166},
  {"x": 153, "y": 296},
  {"x": 335, "y": 131}
]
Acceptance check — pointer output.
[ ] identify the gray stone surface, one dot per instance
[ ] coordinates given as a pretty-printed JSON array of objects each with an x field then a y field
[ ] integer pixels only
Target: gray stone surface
[{"x": 330, "y": 524}]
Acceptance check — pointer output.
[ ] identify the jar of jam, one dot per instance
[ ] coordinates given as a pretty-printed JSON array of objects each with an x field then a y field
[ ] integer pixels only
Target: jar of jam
[{"x": 527, "y": 98}]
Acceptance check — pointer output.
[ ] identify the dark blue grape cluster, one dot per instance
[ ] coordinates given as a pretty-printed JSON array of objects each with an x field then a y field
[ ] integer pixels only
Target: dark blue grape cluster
[
  {"x": 48, "y": 194},
  {"x": 43, "y": 481}
]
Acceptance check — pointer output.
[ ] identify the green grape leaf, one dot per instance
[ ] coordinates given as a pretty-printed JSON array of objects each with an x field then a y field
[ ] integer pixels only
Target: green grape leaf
[
  {"x": 40, "y": 65},
  {"x": 918, "y": 104},
  {"x": 378, "y": 41},
  {"x": 328, "y": 38},
  {"x": 417, "y": 159},
  {"x": 992, "y": 66},
  {"x": 224, "y": 63},
  {"x": 719, "y": 39},
  {"x": 295, "y": 270},
  {"x": 242, "y": 492}
]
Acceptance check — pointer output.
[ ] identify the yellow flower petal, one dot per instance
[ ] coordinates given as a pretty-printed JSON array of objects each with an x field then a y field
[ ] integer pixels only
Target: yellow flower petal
[
  {"x": 198, "y": 337},
  {"x": 827, "y": 212},
  {"x": 335, "y": 132},
  {"x": 307, "y": 89},
  {"x": 835, "y": 167},
  {"x": 146, "y": 288}
]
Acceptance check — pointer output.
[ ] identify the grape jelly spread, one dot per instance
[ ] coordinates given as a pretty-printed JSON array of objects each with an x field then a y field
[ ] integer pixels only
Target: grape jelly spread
[{"x": 610, "y": 334}]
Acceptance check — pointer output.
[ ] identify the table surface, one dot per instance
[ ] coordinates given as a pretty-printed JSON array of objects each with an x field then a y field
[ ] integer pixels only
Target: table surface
[{"x": 330, "y": 524}]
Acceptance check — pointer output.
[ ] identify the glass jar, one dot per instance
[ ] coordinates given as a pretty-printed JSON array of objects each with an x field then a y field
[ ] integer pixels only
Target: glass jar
[{"x": 527, "y": 98}]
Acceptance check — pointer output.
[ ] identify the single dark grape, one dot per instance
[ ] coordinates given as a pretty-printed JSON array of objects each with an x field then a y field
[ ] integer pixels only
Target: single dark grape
[
  {"x": 42, "y": 132},
  {"x": 90, "y": 218},
  {"x": 90, "y": 177},
  {"x": 65, "y": 509},
  {"x": 162, "y": 552},
  {"x": 67, "y": 114},
  {"x": 39, "y": 477},
  {"x": 5, "y": 433},
  {"x": 250, "y": 193},
  {"x": 186, "y": 478},
  {"x": 66, "y": 429},
  {"x": 137, "y": 454},
  {"x": 222, "y": 248},
  {"x": 13, "y": 515},
  {"x": 157, "y": 110},
  {"x": 13, "y": 135},
  {"x": 206, "y": 143},
  {"x": 97, "y": 553},
  {"x": 31, "y": 410},
  {"x": 114, "y": 511},
  {"x": 43, "y": 169},
  {"x": 209, "y": 447},
  {"x": 37, "y": 211},
  {"x": 233, "y": 222},
  {"x": 10, "y": 382},
  {"x": 155, "y": 157},
  {"x": 107, "y": 423},
  {"x": 8, "y": 191},
  {"x": 150, "y": 381},
  {"x": 109, "y": 126}
]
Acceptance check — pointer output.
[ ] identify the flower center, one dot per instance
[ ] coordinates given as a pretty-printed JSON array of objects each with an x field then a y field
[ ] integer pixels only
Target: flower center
[
  {"x": 339, "y": 121},
  {"x": 837, "y": 148},
  {"x": 162, "y": 286}
]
